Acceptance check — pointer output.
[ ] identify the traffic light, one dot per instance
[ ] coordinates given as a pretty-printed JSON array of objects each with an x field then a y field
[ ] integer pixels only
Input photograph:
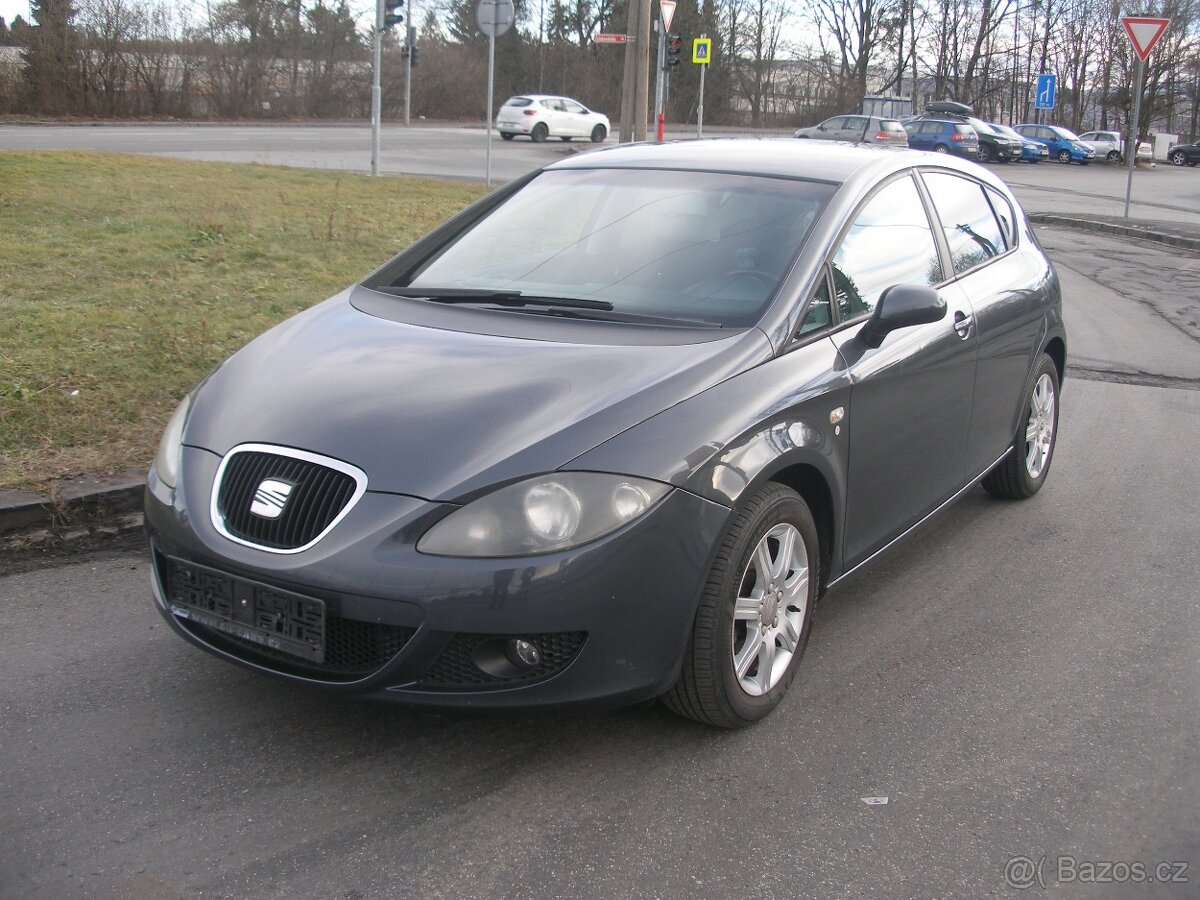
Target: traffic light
[
  {"x": 674, "y": 48},
  {"x": 391, "y": 16}
]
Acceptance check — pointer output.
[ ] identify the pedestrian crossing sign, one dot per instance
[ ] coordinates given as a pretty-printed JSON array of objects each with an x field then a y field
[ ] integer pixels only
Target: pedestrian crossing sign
[{"x": 701, "y": 51}]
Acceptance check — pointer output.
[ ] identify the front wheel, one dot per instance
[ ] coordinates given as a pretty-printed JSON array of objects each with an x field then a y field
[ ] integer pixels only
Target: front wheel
[
  {"x": 1064, "y": 157},
  {"x": 540, "y": 133},
  {"x": 1178, "y": 158},
  {"x": 755, "y": 614},
  {"x": 506, "y": 135},
  {"x": 985, "y": 153},
  {"x": 1022, "y": 473},
  {"x": 599, "y": 134}
]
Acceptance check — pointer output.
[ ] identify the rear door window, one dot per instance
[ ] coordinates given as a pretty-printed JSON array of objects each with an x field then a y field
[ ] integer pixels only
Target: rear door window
[{"x": 968, "y": 223}]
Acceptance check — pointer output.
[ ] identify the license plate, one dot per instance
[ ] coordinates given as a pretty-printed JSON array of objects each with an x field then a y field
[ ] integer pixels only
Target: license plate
[{"x": 274, "y": 619}]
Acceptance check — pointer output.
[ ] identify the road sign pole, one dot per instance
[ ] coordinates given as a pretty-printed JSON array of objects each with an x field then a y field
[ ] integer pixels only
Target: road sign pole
[
  {"x": 700, "y": 107},
  {"x": 658, "y": 82},
  {"x": 491, "y": 74},
  {"x": 376, "y": 90},
  {"x": 1131, "y": 141},
  {"x": 411, "y": 34}
]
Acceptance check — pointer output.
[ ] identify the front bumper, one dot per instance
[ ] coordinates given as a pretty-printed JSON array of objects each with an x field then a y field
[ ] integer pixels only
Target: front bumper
[{"x": 612, "y": 618}]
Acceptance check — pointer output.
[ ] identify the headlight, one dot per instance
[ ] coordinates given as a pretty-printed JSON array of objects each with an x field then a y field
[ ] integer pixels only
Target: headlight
[
  {"x": 166, "y": 461},
  {"x": 551, "y": 512}
]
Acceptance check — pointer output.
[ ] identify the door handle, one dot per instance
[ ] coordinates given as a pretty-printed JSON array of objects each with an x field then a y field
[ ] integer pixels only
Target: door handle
[{"x": 962, "y": 324}]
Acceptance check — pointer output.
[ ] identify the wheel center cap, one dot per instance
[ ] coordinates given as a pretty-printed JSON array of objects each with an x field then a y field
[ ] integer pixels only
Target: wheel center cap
[{"x": 769, "y": 610}]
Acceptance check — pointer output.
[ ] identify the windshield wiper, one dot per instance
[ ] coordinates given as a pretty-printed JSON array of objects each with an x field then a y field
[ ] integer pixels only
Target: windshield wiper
[{"x": 498, "y": 298}]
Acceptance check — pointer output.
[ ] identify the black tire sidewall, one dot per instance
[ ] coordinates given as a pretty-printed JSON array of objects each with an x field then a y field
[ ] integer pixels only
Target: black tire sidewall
[
  {"x": 778, "y": 504},
  {"x": 539, "y": 133}
]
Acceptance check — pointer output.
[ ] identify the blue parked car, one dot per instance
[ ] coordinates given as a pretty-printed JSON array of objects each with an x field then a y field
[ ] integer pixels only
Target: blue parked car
[
  {"x": 1031, "y": 151},
  {"x": 1063, "y": 144},
  {"x": 943, "y": 136}
]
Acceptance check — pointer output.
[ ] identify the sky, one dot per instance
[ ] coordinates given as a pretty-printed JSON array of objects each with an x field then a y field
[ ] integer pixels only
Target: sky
[{"x": 10, "y": 9}]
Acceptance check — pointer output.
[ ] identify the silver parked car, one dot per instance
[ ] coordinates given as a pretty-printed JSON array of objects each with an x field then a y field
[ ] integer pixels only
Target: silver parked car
[
  {"x": 857, "y": 130},
  {"x": 543, "y": 116}
]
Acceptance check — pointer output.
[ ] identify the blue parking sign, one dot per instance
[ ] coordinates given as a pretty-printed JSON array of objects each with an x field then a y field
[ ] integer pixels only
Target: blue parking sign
[{"x": 1047, "y": 87}]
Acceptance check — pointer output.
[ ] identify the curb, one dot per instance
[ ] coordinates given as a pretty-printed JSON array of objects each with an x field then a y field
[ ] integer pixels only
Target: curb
[
  {"x": 84, "y": 512},
  {"x": 1156, "y": 234}
]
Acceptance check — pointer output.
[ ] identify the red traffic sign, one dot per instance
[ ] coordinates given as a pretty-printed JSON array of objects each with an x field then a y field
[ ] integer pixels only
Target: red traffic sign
[
  {"x": 1144, "y": 33},
  {"x": 611, "y": 38}
]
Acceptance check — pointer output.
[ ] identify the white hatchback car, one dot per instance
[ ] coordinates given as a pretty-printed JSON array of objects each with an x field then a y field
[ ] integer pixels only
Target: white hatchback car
[
  {"x": 1110, "y": 145},
  {"x": 542, "y": 115}
]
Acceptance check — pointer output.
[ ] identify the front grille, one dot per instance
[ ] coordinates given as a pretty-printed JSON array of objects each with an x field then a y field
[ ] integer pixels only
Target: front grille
[
  {"x": 456, "y": 668},
  {"x": 353, "y": 649},
  {"x": 319, "y": 493}
]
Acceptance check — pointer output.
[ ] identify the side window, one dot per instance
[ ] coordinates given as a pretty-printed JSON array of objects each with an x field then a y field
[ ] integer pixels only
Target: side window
[
  {"x": 1004, "y": 212},
  {"x": 819, "y": 311},
  {"x": 968, "y": 223},
  {"x": 833, "y": 124},
  {"x": 890, "y": 242},
  {"x": 855, "y": 123}
]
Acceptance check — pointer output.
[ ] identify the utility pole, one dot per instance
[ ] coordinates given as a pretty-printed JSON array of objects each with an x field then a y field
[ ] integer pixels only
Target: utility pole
[
  {"x": 629, "y": 77},
  {"x": 411, "y": 43},
  {"x": 641, "y": 96}
]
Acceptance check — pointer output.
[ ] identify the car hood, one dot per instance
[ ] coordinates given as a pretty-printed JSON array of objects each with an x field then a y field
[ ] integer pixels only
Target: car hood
[{"x": 437, "y": 413}]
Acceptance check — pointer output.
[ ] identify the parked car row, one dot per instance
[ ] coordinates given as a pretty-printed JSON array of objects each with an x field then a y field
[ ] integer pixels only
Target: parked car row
[
  {"x": 949, "y": 127},
  {"x": 944, "y": 127}
]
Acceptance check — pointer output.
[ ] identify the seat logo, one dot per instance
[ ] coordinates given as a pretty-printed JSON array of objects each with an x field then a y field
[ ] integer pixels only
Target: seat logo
[{"x": 270, "y": 498}]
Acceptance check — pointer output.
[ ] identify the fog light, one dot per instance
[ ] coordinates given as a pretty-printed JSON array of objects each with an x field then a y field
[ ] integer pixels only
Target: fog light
[{"x": 523, "y": 653}]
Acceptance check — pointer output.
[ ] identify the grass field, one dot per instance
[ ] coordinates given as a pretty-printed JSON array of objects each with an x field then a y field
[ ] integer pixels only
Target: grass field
[{"x": 124, "y": 278}]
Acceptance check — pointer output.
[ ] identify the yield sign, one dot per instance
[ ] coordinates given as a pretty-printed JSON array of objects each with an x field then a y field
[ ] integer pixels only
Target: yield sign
[
  {"x": 668, "y": 13},
  {"x": 1144, "y": 33}
]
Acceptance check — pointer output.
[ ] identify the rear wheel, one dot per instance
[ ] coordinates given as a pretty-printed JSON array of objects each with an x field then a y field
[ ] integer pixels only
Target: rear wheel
[
  {"x": 599, "y": 133},
  {"x": 1114, "y": 156},
  {"x": 540, "y": 133},
  {"x": 755, "y": 614},
  {"x": 506, "y": 135},
  {"x": 1022, "y": 473},
  {"x": 941, "y": 148},
  {"x": 1064, "y": 157}
]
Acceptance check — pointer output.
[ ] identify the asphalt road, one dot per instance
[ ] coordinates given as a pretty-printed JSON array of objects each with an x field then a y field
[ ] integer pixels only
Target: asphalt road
[
  {"x": 447, "y": 150},
  {"x": 1018, "y": 680}
]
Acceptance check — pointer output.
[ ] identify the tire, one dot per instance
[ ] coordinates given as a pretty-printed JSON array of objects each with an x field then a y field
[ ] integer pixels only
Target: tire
[
  {"x": 506, "y": 135},
  {"x": 1178, "y": 158},
  {"x": 1113, "y": 156},
  {"x": 1022, "y": 473},
  {"x": 941, "y": 148},
  {"x": 599, "y": 133},
  {"x": 773, "y": 530},
  {"x": 985, "y": 153},
  {"x": 1064, "y": 157},
  {"x": 540, "y": 133}
]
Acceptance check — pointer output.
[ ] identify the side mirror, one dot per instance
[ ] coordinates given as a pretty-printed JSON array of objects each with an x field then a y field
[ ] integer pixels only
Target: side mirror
[{"x": 901, "y": 306}]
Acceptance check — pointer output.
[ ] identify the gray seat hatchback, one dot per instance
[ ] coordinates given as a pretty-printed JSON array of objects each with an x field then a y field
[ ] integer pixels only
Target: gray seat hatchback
[{"x": 607, "y": 434}]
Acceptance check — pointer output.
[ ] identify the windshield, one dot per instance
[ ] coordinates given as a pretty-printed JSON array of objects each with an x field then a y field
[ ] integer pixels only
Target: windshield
[
  {"x": 1065, "y": 133},
  {"x": 1005, "y": 130},
  {"x": 691, "y": 246}
]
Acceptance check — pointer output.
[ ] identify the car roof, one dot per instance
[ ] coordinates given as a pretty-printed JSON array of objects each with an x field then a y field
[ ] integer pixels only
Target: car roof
[
  {"x": 832, "y": 161},
  {"x": 542, "y": 97}
]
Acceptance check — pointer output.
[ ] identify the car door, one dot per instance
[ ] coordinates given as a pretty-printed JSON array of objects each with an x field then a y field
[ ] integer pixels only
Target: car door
[
  {"x": 575, "y": 118},
  {"x": 1006, "y": 296},
  {"x": 910, "y": 398},
  {"x": 853, "y": 128}
]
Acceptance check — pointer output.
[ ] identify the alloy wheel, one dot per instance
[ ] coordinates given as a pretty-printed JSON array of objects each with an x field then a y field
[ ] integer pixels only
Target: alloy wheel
[
  {"x": 1039, "y": 430},
  {"x": 768, "y": 615}
]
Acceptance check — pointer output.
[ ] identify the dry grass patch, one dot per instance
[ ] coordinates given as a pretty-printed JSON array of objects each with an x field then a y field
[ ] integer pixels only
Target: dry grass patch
[{"x": 124, "y": 278}]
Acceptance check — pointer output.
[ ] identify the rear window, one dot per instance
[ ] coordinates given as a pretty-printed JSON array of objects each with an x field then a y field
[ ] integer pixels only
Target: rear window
[
  {"x": 964, "y": 129},
  {"x": 518, "y": 101},
  {"x": 889, "y": 125}
]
